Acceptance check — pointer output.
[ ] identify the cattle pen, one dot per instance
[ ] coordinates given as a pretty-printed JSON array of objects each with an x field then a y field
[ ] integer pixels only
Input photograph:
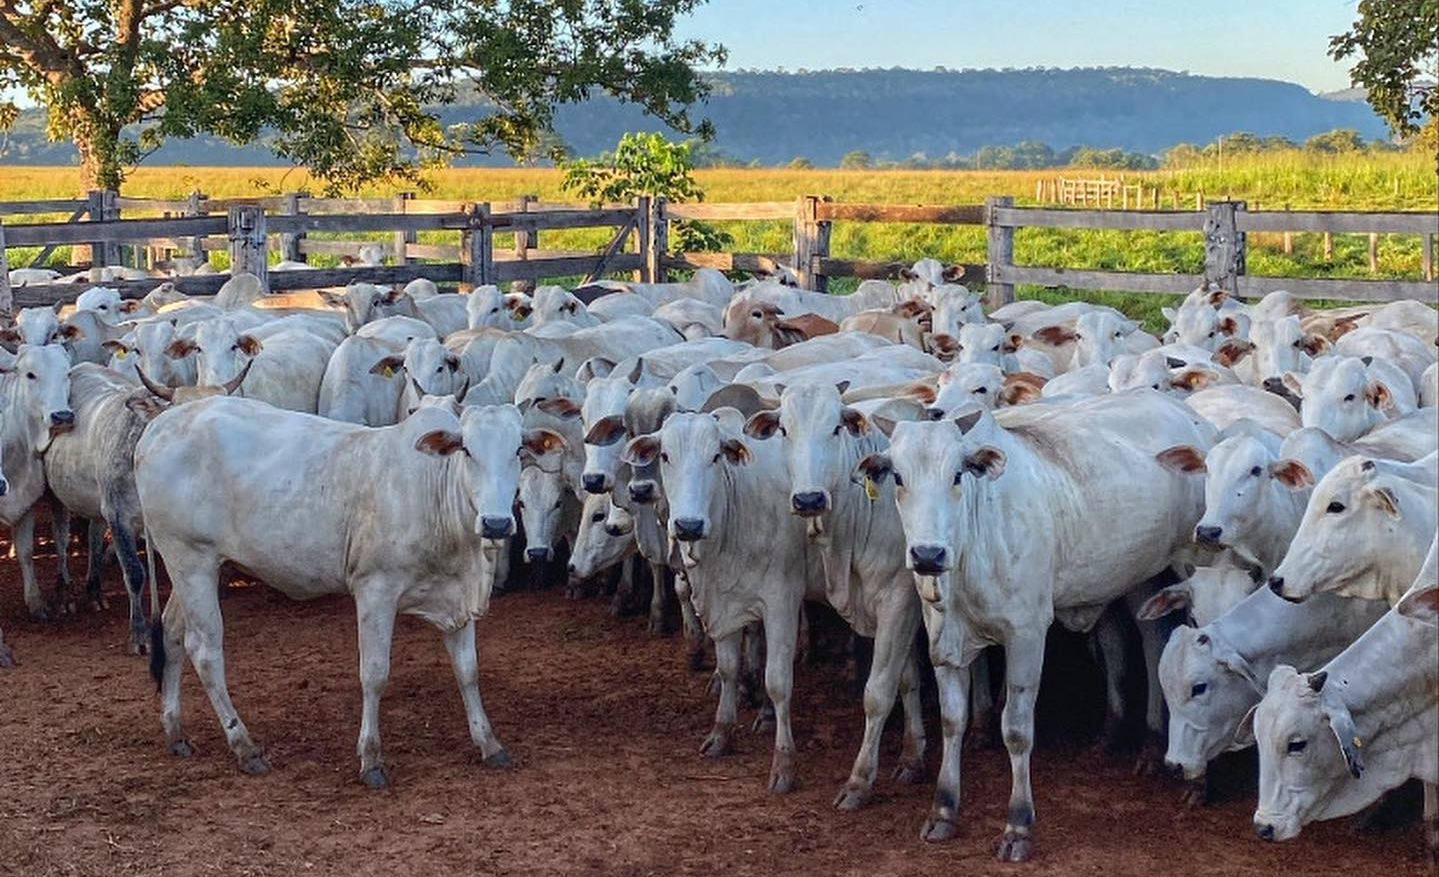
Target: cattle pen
[{"x": 253, "y": 232}]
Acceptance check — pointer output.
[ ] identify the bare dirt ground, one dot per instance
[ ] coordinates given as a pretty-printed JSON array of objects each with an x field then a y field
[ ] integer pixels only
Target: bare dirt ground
[{"x": 604, "y": 723}]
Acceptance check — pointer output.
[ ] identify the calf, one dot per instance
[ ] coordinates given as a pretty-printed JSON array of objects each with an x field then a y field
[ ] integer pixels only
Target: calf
[
  {"x": 406, "y": 519},
  {"x": 289, "y": 365}
]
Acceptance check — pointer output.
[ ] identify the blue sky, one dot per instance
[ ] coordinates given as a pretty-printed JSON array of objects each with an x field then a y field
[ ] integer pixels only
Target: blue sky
[{"x": 1273, "y": 39}]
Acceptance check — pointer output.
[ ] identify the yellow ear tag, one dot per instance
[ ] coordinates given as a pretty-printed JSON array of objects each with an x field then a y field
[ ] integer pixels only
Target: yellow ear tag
[
  {"x": 1358, "y": 744},
  {"x": 388, "y": 372},
  {"x": 120, "y": 354},
  {"x": 871, "y": 489}
]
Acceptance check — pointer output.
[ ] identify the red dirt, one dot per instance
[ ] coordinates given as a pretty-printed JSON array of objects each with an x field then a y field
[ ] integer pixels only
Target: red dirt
[{"x": 604, "y": 723}]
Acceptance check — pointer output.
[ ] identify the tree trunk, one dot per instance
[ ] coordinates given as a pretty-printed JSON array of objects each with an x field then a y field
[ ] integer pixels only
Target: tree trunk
[{"x": 98, "y": 145}]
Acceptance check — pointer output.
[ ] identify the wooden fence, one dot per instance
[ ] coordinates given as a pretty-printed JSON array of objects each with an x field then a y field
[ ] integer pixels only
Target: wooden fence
[{"x": 250, "y": 228}]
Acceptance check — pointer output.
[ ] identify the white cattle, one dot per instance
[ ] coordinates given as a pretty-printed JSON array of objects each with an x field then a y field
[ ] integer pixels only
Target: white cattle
[
  {"x": 1429, "y": 387},
  {"x": 743, "y": 554},
  {"x": 1406, "y": 351},
  {"x": 24, "y": 276},
  {"x": 488, "y": 308},
  {"x": 393, "y": 516},
  {"x": 1207, "y": 592},
  {"x": 144, "y": 349},
  {"x": 104, "y": 301},
  {"x": 1332, "y": 741},
  {"x": 353, "y": 391},
  {"x": 1001, "y": 529},
  {"x": 991, "y": 343},
  {"x": 288, "y": 366},
  {"x": 707, "y": 285},
  {"x": 617, "y": 340},
  {"x": 550, "y": 497},
  {"x": 1403, "y": 440},
  {"x": 692, "y": 318},
  {"x": 37, "y": 327},
  {"x": 1364, "y": 532},
  {"x": 1214, "y": 674},
  {"x": 1227, "y": 403},
  {"x": 596, "y": 548},
  {"x": 1415, "y": 318},
  {"x": 602, "y": 414},
  {"x": 555, "y": 304},
  {"x": 980, "y": 385},
  {"x": 1097, "y": 337},
  {"x": 1203, "y": 325}
]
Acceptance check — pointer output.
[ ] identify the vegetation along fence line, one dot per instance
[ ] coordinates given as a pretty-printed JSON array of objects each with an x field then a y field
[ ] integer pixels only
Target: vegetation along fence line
[{"x": 249, "y": 229}]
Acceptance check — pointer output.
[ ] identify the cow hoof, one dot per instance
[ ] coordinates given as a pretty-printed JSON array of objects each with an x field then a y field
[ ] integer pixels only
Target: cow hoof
[
  {"x": 782, "y": 781},
  {"x": 661, "y": 628},
  {"x": 763, "y": 722},
  {"x": 697, "y": 660},
  {"x": 852, "y": 797},
  {"x": 1151, "y": 758},
  {"x": 181, "y": 748},
  {"x": 911, "y": 772},
  {"x": 1015, "y": 846},
  {"x": 40, "y": 613},
  {"x": 936, "y": 829},
  {"x": 1196, "y": 793},
  {"x": 98, "y": 604},
  {"x": 7, "y": 658},
  {"x": 255, "y": 765},
  {"x": 717, "y": 744},
  {"x": 497, "y": 759},
  {"x": 376, "y": 777}
]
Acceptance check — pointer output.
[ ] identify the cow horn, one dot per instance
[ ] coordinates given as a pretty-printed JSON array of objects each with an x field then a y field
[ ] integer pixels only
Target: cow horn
[
  {"x": 157, "y": 390},
  {"x": 234, "y": 383},
  {"x": 460, "y": 396}
]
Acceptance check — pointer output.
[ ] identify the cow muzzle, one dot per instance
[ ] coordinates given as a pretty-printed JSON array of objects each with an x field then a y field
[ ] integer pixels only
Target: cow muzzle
[
  {"x": 61, "y": 421},
  {"x": 809, "y": 503},
  {"x": 1206, "y": 535},
  {"x": 496, "y": 527},
  {"x": 539, "y": 555},
  {"x": 688, "y": 529},
  {"x": 642, "y": 492},
  {"x": 930, "y": 560},
  {"x": 1276, "y": 584},
  {"x": 594, "y": 482}
]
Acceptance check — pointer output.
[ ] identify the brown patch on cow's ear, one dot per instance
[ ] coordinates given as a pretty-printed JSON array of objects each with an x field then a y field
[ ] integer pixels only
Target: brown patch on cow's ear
[
  {"x": 944, "y": 347},
  {"x": 641, "y": 451},
  {"x": 920, "y": 392},
  {"x": 1379, "y": 397},
  {"x": 1056, "y": 336},
  {"x": 1386, "y": 500},
  {"x": 1232, "y": 351},
  {"x": 1013, "y": 342},
  {"x": 1344, "y": 325},
  {"x": 1172, "y": 599},
  {"x": 389, "y": 366},
  {"x": 952, "y": 273},
  {"x": 145, "y": 406},
  {"x": 762, "y": 424},
  {"x": 1192, "y": 379},
  {"x": 736, "y": 451},
  {"x": 249, "y": 345},
  {"x": 787, "y": 333},
  {"x": 907, "y": 274},
  {"x": 180, "y": 348},
  {"x": 1228, "y": 326},
  {"x": 1182, "y": 458},
  {"x": 1292, "y": 474},
  {"x": 854, "y": 421},
  {"x": 911, "y": 308},
  {"x": 393, "y": 295},
  {"x": 541, "y": 441},
  {"x": 1217, "y": 297},
  {"x": 332, "y": 299},
  {"x": 521, "y": 311},
  {"x": 9, "y": 336},
  {"x": 70, "y": 332},
  {"x": 1021, "y": 387},
  {"x": 114, "y": 346},
  {"x": 606, "y": 431},
  {"x": 440, "y": 442},
  {"x": 560, "y": 407},
  {"x": 1421, "y": 605},
  {"x": 987, "y": 461},
  {"x": 129, "y": 306},
  {"x": 875, "y": 467},
  {"x": 1313, "y": 344}
]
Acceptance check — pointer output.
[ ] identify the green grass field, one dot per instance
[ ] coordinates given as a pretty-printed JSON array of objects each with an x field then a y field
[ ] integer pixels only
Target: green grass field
[{"x": 1369, "y": 181}]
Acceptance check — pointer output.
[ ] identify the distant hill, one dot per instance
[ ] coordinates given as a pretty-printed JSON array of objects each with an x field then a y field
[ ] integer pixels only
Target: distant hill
[{"x": 773, "y": 117}]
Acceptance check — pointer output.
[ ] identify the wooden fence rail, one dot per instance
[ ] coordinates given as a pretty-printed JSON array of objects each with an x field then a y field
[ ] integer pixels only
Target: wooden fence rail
[{"x": 251, "y": 228}]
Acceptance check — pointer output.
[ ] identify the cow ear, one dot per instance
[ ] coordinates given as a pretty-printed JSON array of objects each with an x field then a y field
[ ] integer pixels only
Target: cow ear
[
  {"x": 1386, "y": 500},
  {"x": 944, "y": 347},
  {"x": 1379, "y": 397},
  {"x": 1055, "y": 336},
  {"x": 1294, "y": 383},
  {"x": 1421, "y": 604},
  {"x": 1244, "y": 734},
  {"x": 521, "y": 311},
  {"x": 1344, "y": 325},
  {"x": 968, "y": 420},
  {"x": 452, "y": 362},
  {"x": 736, "y": 452},
  {"x": 952, "y": 273},
  {"x": 874, "y": 467},
  {"x": 559, "y": 365},
  {"x": 853, "y": 420},
  {"x": 1232, "y": 351},
  {"x": 248, "y": 344},
  {"x": 560, "y": 407},
  {"x": 641, "y": 451},
  {"x": 1313, "y": 344},
  {"x": 907, "y": 274},
  {"x": 129, "y": 306},
  {"x": 542, "y": 441},
  {"x": 1013, "y": 342},
  {"x": 920, "y": 392},
  {"x": 606, "y": 431},
  {"x": 841, "y": 387},
  {"x": 637, "y": 372},
  {"x": 180, "y": 348},
  {"x": 987, "y": 461},
  {"x": 1217, "y": 297},
  {"x": 594, "y": 367},
  {"x": 1172, "y": 599},
  {"x": 332, "y": 299},
  {"x": 114, "y": 346},
  {"x": 145, "y": 406},
  {"x": 440, "y": 442},
  {"x": 9, "y": 336},
  {"x": 1021, "y": 387},
  {"x": 388, "y": 366},
  {"x": 762, "y": 424},
  {"x": 1192, "y": 379},
  {"x": 1185, "y": 459},
  {"x": 1228, "y": 326},
  {"x": 1169, "y": 314},
  {"x": 1292, "y": 474},
  {"x": 1345, "y": 734},
  {"x": 70, "y": 332}
]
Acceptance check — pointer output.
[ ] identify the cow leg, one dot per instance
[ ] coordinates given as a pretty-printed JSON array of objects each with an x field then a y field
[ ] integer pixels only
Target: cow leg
[
  {"x": 133, "y": 572},
  {"x": 1024, "y": 661},
  {"x": 465, "y": 658},
  {"x": 953, "y": 683},
  {"x": 662, "y": 599},
  {"x": 981, "y": 703},
  {"x": 94, "y": 558},
  {"x": 168, "y": 662},
  {"x": 781, "y": 635},
  {"x": 694, "y": 630},
  {"x": 205, "y": 643},
  {"x": 719, "y": 741},
  {"x": 911, "y": 756},
  {"x": 1106, "y": 644},
  {"x": 23, "y": 534},
  {"x": 893, "y": 649},
  {"x": 1431, "y": 818},
  {"x": 1151, "y": 639},
  {"x": 60, "y": 530},
  {"x": 376, "y": 616}
]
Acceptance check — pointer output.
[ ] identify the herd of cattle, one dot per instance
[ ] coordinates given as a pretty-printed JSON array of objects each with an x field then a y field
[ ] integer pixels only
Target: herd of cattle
[{"x": 935, "y": 473}]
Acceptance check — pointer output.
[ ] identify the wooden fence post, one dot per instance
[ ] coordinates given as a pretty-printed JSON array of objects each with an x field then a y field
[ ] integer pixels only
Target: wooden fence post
[
  {"x": 7, "y": 297},
  {"x": 526, "y": 239},
  {"x": 659, "y": 240},
  {"x": 644, "y": 213},
  {"x": 1329, "y": 246},
  {"x": 195, "y": 206},
  {"x": 102, "y": 208},
  {"x": 999, "y": 247},
  {"x": 249, "y": 246},
  {"x": 404, "y": 238},
  {"x": 477, "y": 252},
  {"x": 811, "y": 243},
  {"x": 1426, "y": 257},
  {"x": 1288, "y": 238},
  {"x": 1223, "y": 245},
  {"x": 290, "y": 240},
  {"x": 1373, "y": 253}
]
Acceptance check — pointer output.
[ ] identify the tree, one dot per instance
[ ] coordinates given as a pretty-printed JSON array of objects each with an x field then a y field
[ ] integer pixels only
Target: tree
[
  {"x": 800, "y": 163},
  {"x": 1338, "y": 140},
  {"x": 1395, "y": 45},
  {"x": 346, "y": 87},
  {"x": 857, "y": 160}
]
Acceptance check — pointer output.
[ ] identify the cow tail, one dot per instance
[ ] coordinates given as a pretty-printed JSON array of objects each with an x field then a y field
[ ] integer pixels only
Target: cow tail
[{"x": 157, "y": 621}]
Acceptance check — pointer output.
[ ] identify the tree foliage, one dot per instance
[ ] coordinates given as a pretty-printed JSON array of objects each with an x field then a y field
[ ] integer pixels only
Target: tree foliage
[
  {"x": 1395, "y": 44},
  {"x": 857, "y": 159},
  {"x": 346, "y": 87}
]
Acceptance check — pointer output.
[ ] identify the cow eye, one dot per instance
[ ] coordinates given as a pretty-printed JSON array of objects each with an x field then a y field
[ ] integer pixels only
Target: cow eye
[
  {"x": 1297, "y": 746},
  {"x": 1256, "y": 471},
  {"x": 1335, "y": 508},
  {"x": 1212, "y": 333},
  {"x": 982, "y": 390},
  {"x": 898, "y": 482},
  {"x": 1198, "y": 689},
  {"x": 957, "y": 476},
  {"x": 495, "y": 310},
  {"x": 837, "y": 428},
  {"x": 30, "y": 375},
  {"x": 756, "y": 314},
  {"x": 1154, "y": 386},
  {"x": 716, "y": 459},
  {"x": 1118, "y": 334},
  {"x": 559, "y": 502},
  {"x": 597, "y": 517},
  {"x": 1078, "y": 337},
  {"x": 1349, "y": 398},
  {"x": 664, "y": 458}
]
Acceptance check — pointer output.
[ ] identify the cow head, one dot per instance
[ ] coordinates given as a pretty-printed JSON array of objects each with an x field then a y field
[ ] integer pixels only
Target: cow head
[
  {"x": 555, "y": 304},
  {"x": 692, "y": 450},
  {"x": 817, "y": 431},
  {"x": 759, "y": 323},
  {"x": 603, "y": 417},
  {"x": 433, "y": 370},
  {"x": 41, "y": 394},
  {"x": 597, "y": 548},
  {"x": 487, "y": 308},
  {"x": 1244, "y": 482},
  {"x": 364, "y": 302},
  {"x": 1208, "y": 687},
  {"x": 104, "y": 302},
  {"x": 221, "y": 351},
  {"x": 1309, "y": 749},
  {"x": 1339, "y": 398},
  {"x": 485, "y": 446},
  {"x": 966, "y": 385}
]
